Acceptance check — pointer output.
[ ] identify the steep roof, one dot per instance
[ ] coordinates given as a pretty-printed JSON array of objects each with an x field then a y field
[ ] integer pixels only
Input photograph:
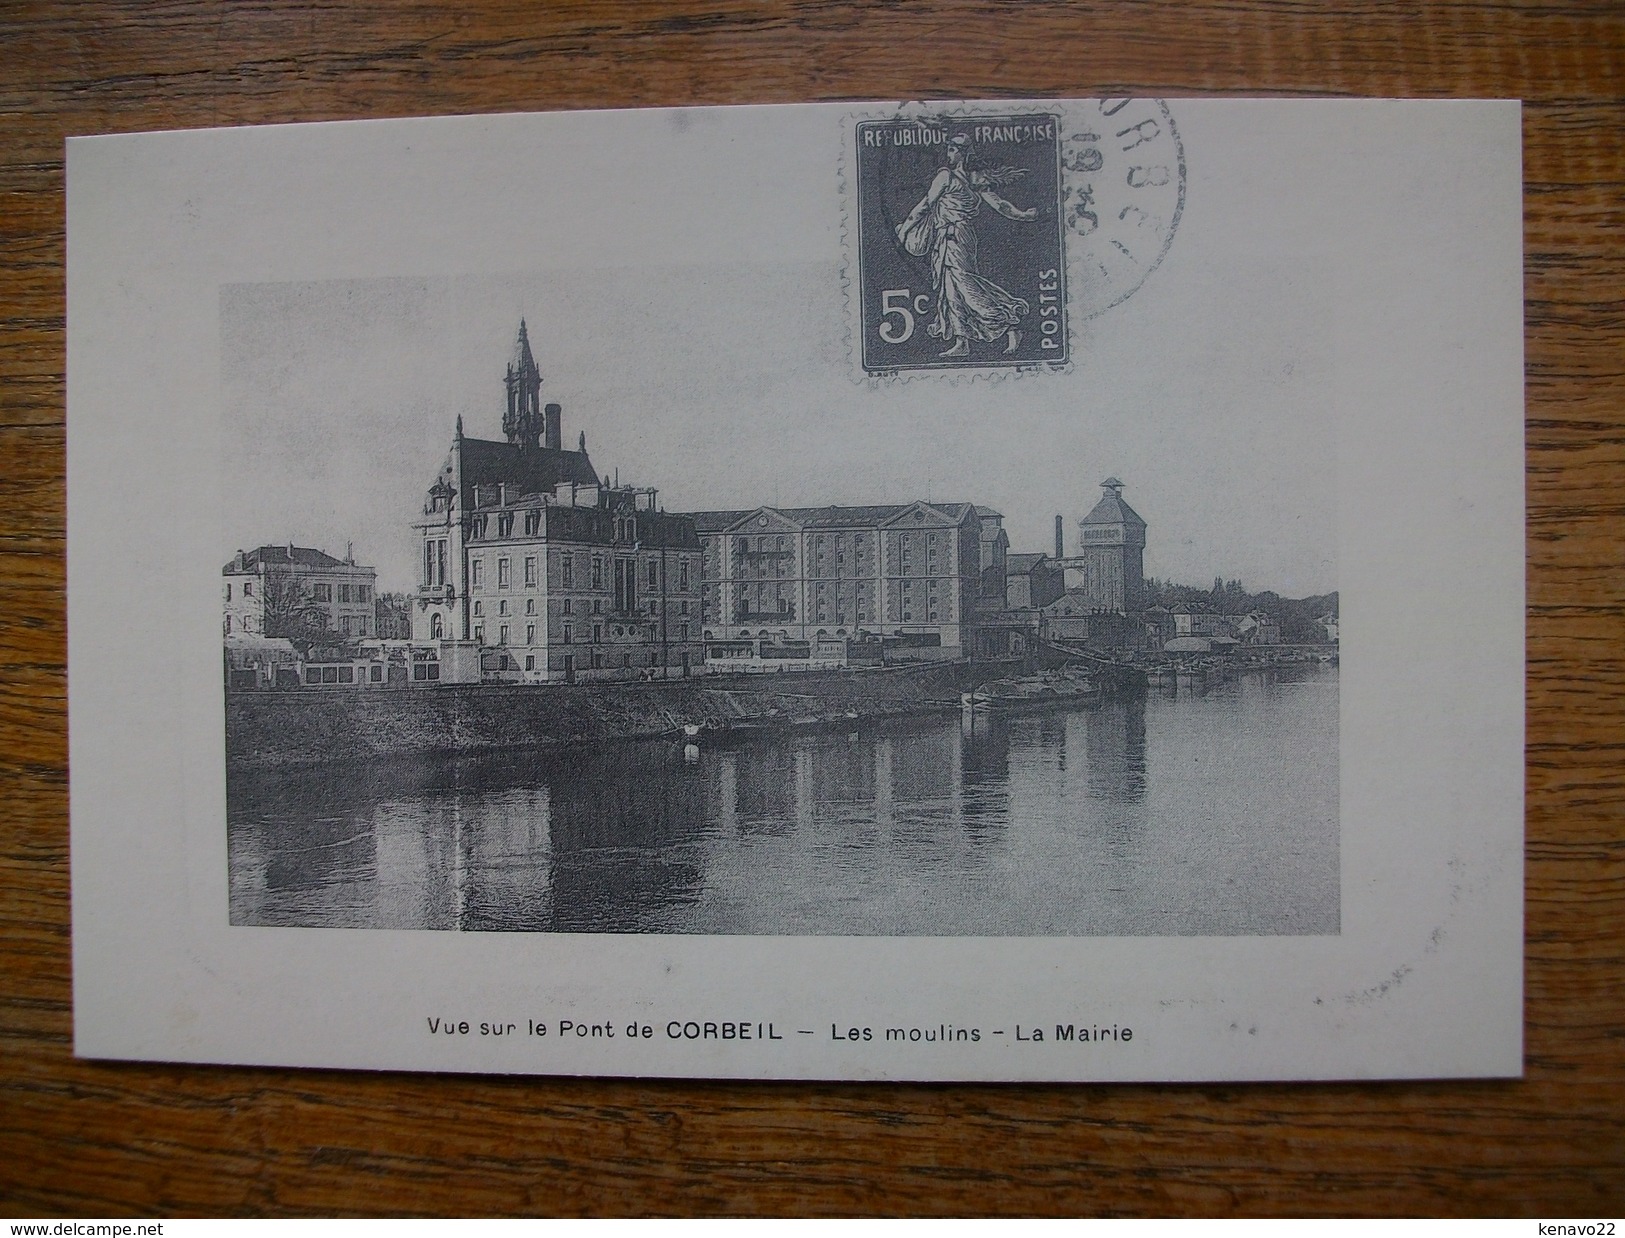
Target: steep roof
[
  {"x": 527, "y": 470},
  {"x": 1020, "y": 564},
  {"x": 1112, "y": 510},
  {"x": 284, "y": 556},
  {"x": 522, "y": 358},
  {"x": 831, "y": 517},
  {"x": 1072, "y": 603},
  {"x": 716, "y": 522}
]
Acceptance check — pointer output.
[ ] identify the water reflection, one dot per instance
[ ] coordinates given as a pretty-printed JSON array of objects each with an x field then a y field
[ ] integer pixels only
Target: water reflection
[
  {"x": 1116, "y": 753},
  {"x": 1211, "y": 814}
]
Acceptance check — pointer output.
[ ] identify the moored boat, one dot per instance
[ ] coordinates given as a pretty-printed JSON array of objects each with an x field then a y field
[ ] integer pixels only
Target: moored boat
[{"x": 1031, "y": 691}]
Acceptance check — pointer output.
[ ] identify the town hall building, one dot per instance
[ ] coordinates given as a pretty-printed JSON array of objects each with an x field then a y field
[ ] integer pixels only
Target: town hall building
[{"x": 527, "y": 552}]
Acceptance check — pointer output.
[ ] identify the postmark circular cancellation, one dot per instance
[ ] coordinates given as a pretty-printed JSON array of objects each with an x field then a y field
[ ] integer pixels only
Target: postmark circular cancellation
[{"x": 983, "y": 232}]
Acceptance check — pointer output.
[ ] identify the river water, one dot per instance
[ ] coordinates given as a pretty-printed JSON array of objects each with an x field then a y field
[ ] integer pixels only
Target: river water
[{"x": 1183, "y": 813}]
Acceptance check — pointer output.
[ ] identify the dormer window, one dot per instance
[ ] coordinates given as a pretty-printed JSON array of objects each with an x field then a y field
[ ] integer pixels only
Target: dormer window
[{"x": 439, "y": 496}]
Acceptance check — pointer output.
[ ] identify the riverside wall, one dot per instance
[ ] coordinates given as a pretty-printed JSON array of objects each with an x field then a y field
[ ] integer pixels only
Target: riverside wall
[{"x": 302, "y": 726}]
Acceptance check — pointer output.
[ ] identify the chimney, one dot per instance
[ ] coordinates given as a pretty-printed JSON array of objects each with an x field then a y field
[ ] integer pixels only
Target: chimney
[
  {"x": 1060, "y": 541},
  {"x": 551, "y": 427}
]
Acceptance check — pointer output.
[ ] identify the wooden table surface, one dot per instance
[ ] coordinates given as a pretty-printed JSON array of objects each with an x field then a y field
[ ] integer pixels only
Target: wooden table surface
[{"x": 85, "y": 1138}]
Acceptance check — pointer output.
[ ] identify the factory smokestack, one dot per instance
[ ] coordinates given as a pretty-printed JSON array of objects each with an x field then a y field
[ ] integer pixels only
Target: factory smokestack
[{"x": 1060, "y": 544}]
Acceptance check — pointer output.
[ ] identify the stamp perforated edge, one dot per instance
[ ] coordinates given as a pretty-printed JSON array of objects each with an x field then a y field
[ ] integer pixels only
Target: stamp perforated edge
[{"x": 851, "y": 238}]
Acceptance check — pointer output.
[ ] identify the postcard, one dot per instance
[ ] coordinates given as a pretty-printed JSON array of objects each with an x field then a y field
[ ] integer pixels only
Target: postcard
[{"x": 967, "y": 590}]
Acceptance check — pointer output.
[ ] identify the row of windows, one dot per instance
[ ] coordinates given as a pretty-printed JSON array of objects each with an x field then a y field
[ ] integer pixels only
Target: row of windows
[
  {"x": 770, "y": 542},
  {"x": 567, "y": 606},
  {"x": 863, "y": 615},
  {"x": 765, "y": 633},
  {"x": 346, "y": 674},
  {"x": 598, "y": 661},
  {"x": 625, "y": 527},
  {"x": 319, "y": 592},
  {"x": 567, "y": 572},
  {"x": 838, "y": 541},
  {"x": 905, "y": 565},
  {"x": 349, "y": 625},
  {"x": 821, "y": 591},
  {"x": 567, "y": 637},
  {"x": 480, "y": 526},
  {"x": 346, "y": 593}
]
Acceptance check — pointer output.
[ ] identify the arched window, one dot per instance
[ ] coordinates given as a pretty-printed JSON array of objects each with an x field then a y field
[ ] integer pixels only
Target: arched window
[{"x": 437, "y": 628}]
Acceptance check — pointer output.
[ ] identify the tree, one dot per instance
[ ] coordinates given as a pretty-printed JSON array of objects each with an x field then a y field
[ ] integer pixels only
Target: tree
[
  {"x": 1298, "y": 617},
  {"x": 392, "y": 615},
  {"x": 291, "y": 611}
]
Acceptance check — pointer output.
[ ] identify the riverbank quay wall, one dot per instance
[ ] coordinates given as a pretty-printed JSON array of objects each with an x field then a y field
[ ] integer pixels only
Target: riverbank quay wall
[{"x": 309, "y": 726}]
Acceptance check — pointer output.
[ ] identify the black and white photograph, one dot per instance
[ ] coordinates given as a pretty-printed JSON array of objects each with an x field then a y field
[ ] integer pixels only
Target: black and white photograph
[
  {"x": 1005, "y": 590},
  {"x": 594, "y": 672}
]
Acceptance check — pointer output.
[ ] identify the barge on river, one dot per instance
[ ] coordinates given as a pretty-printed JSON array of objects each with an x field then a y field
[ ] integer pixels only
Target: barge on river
[{"x": 1032, "y": 692}]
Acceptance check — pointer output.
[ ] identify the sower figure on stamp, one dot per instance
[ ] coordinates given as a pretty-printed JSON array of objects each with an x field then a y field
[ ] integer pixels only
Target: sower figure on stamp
[{"x": 969, "y": 307}]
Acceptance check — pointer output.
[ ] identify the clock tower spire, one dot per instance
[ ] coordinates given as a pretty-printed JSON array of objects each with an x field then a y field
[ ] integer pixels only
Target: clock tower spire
[{"x": 523, "y": 422}]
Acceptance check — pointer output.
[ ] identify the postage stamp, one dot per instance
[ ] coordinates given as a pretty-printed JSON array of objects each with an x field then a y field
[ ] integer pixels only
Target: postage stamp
[{"x": 961, "y": 262}]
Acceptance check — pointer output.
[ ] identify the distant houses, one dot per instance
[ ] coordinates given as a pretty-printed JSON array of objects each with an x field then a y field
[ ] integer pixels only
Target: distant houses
[
  {"x": 1032, "y": 581},
  {"x": 284, "y": 591}
]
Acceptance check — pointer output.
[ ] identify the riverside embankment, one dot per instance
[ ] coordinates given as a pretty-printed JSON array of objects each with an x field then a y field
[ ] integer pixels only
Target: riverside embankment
[{"x": 301, "y": 726}]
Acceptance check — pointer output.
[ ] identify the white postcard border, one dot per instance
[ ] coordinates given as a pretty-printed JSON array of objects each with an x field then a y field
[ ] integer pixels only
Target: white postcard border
[{"x": 1417, "y": 206}]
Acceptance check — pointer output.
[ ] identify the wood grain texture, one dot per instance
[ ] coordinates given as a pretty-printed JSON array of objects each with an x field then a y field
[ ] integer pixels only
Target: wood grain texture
[{"x": 82, "y": 1138}]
